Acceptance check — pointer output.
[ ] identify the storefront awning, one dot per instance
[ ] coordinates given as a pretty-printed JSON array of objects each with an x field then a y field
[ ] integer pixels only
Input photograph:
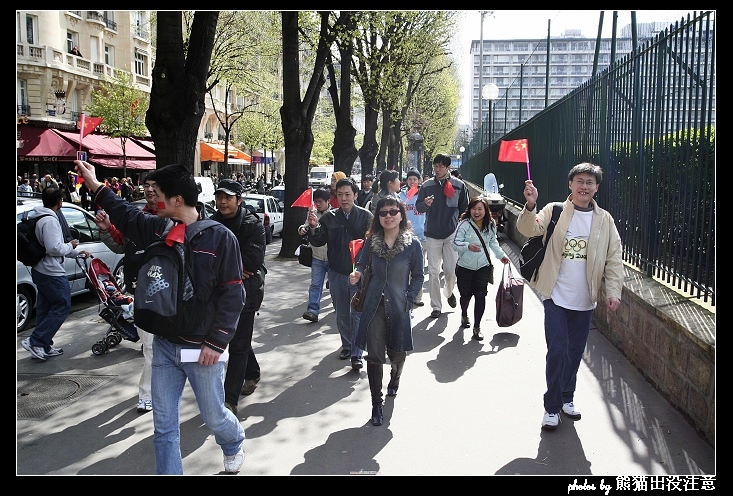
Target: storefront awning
[
  {"x": 101, "y": 146},
  {"x": 116, "y": 163},
  {"x": 43, "y": 145},
  {"x": 214, "y": 152}
]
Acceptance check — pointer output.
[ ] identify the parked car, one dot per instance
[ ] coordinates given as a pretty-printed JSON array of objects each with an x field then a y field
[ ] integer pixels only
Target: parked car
[
  {"x": 279, "y": 193},
  {"x": 141, "y": 204},
  {"x": 84, "y": 229},
  {"x": 207, "y": 193},
  {"x": 269, "y": 210}
]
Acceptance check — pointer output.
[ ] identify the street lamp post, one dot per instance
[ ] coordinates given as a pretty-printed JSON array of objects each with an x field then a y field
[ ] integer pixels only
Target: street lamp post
[
  {"x": 462, "y": 149},
  {"x": 490, "y": 92}
]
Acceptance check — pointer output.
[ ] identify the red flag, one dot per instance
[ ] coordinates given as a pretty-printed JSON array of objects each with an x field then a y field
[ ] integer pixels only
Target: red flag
[
  {"x": 412, "y": 191},
  {"x": 305, "y": 199},
  {"x": 354, "y": 247},
  {"x": 514, "y": 151},
  {"x": 87, "y": 125},
  {"x": 448, "y": 189}
]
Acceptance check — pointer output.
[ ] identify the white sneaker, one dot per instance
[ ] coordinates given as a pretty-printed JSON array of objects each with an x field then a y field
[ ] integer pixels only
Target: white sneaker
[
  {"x": 54, "y": 352},
  {"x": 35, "y": 351},
  {"x": 571, "y": 411},
  {"x": 144, "y": 406},
  {"x": 550, "y": 421},
  {"x": 233, "y": 463}
]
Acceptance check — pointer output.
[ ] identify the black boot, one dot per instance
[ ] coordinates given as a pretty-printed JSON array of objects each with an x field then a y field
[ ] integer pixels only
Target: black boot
[
  {"x": 375, "y": 374},
  {"x": 394, "y": 378}
]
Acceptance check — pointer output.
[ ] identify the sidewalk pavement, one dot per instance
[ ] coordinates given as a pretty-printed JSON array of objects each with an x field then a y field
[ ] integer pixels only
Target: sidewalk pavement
[{"x": 464, "y": 407}]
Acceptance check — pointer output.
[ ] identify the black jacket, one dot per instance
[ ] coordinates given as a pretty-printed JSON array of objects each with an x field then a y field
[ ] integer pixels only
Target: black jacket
[
  {"x": 331, "y": 230},
  {"x": 250, "y": 232},
  {"x": 217, "y": 268}
]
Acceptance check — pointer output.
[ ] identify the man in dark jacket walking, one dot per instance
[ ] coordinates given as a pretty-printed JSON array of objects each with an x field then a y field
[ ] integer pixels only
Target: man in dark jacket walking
[
  {"x": 217, "y": 268},
  {"x": 243, "y": 370},
  {"x": 337, "y": 228},
  {"x": 442, "y": 198}
]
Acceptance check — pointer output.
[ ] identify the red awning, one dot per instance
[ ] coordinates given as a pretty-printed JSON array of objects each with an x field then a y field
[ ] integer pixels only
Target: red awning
[
  {"x": 43, "y": 145},
  {"x": 116, "y": 163},
  {"x": 100, "y": 146}
]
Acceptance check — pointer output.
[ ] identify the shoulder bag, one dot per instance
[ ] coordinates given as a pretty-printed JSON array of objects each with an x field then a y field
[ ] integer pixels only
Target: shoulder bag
[
  {"x": 491, "y": 266},
  {"x": 357, "y": 301},
  {"x": 509, "y": 298},
  {"x": 533, "y": 250}
]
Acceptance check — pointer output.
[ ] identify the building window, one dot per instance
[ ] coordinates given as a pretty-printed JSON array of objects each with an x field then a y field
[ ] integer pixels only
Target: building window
[
  {"x": 72, "y": 40},
  {"x": 31, "y": 29},
  {"x": 141, "y": 63},
  {"x": 109, "y": 55}
]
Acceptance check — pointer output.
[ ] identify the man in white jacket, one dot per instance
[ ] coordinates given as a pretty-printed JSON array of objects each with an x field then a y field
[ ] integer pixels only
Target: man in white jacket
[{"x": 49, "y": 276}]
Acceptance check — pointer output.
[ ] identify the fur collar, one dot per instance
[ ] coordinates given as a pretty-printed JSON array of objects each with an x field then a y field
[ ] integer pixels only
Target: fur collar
[{"x": 404, "y": 239}]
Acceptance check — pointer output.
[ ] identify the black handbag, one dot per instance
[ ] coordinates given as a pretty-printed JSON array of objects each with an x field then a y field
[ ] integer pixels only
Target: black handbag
[
  {"x": 357, "y": 301},
  {"x": 305, "y": 254}
]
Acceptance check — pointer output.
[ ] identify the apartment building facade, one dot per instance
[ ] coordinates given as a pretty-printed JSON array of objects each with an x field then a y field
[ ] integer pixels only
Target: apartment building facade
[{"x": 63, "y": 55}]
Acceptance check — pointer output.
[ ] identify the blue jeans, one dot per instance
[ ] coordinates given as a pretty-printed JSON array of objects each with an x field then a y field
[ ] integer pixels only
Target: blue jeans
[
  {"x": 207, "y": 382},
  {"x": 52, "y": 307},
  {"x": 566, "y": 333},
  {"x": 346, "y": 320},
  {"x": 319, "y": 269}
]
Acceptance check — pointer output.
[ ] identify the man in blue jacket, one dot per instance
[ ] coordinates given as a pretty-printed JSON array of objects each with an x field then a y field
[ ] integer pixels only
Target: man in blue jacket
[
  {"x": 442, "y": 198},
  {"x": 337, "y": 228},
  {"x": 217, "y": 267}
]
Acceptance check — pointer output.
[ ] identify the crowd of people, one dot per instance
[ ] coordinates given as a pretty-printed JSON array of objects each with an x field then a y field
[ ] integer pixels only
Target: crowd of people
[
  {"x": 429, "y": 229},
  {"x": 74, "y": 190}
]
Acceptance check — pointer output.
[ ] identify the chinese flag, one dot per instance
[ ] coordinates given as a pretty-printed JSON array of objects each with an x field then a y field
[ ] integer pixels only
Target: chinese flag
[
  {"x": 412, "y": 191},
  {"x": 355, "y": 247},
  {"x": 305, "y": 199},
  {"x": 87, "y": 125},
  {"x": 514, "y": 151},
  {"x": 448, "y": 189}
]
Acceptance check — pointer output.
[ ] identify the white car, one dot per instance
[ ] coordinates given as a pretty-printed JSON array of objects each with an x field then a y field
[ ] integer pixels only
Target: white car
[
  {"x": 269, "y": 210},
  {"x": 84, "y": 229}
]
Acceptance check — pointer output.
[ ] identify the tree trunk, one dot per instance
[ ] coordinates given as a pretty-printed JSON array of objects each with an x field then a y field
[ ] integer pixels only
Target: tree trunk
[
  {"x": 179, "y": 86},
  {"x": 344, "y": 150},
  {"x": 368, "y": 151}
]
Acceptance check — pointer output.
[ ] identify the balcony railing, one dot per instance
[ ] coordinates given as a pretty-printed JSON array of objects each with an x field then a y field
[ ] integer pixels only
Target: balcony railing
[
  {"x": 95, "y": 15},
  {"x": 24, "y": 110}
]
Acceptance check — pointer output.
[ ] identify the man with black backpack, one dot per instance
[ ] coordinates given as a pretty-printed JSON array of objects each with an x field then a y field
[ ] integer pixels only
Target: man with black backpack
[
  {"x": 213, "y": 298},
  {"x": 49, "y": 276}
]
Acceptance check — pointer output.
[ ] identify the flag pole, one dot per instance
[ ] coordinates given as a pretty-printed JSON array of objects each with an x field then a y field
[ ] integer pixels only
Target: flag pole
[
  {"x": 81, "y": 131},
  {"x": 529, "y": 178}
]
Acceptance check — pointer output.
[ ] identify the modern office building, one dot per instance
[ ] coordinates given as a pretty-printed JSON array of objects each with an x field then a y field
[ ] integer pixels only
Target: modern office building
[{"x": 518, "y": 69}]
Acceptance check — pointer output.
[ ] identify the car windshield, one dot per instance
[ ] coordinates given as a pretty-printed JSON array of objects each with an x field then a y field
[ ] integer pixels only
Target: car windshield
[{"x": 255, "y": 204}]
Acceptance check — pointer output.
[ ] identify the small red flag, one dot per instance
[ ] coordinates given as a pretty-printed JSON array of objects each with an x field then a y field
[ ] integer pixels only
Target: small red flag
[
  {"x": 448, "y": 189},
  {"x": 514, "y": 151},
  {"x": 354, "y": 247},
  {"x": 305, "y": 199},
  {"x": 412, "y": 191},
  {"x": 87, "y": 125}
]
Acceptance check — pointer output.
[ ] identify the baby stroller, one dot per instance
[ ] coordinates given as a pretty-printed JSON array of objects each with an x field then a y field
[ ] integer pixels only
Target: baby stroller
[{"x": 118, "y": 307}]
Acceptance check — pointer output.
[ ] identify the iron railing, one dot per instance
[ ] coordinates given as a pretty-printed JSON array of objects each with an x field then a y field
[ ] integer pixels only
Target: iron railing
[{"x": 649, "y": 121}]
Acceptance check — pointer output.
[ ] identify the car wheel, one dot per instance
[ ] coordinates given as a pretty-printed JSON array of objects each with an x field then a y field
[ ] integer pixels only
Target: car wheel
[
  {"x": 24, "y": 308},
  {"x": 119, "y": 275},
  {"x": 268, "y": 235}
]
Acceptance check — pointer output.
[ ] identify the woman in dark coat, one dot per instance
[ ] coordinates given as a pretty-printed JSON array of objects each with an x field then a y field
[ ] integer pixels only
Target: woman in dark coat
[{"x": 397, "y": 276}]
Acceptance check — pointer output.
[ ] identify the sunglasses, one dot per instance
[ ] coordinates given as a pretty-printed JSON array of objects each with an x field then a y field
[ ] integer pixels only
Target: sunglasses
[{"x": 391, "y": 212}]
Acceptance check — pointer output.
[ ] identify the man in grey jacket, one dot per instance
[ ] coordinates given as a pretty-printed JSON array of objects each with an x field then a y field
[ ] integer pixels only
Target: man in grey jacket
[
  {"x": 49, "y": 276},
  {"x": 442, "y": 199}
]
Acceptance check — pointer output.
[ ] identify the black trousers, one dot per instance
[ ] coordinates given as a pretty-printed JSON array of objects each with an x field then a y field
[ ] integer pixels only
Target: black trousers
[{"x": 242, "y": 363}]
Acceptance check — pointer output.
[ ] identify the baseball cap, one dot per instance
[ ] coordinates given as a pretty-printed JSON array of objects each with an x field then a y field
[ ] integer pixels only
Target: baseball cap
[{"x": 230, "y": 187}]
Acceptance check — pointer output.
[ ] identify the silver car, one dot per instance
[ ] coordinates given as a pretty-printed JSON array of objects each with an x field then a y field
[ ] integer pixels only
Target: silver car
[
  {"x": 84, "y": 229},
  {"x": 269, "y": 210}
]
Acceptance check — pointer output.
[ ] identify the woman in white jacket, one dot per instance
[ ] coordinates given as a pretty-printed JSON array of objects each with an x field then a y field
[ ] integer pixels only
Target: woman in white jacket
[{"x": 473, "y": 269}]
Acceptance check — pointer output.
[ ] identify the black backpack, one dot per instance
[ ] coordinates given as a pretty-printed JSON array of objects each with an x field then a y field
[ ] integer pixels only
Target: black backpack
[
  {"x": 533, "y": 250},
  {"x": 166, "y": 302},
  {"x": 30, "y": 250}
]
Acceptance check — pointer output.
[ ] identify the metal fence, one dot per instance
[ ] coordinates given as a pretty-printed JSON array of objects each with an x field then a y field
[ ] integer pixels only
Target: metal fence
[{"x": 649, "y": 122}]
